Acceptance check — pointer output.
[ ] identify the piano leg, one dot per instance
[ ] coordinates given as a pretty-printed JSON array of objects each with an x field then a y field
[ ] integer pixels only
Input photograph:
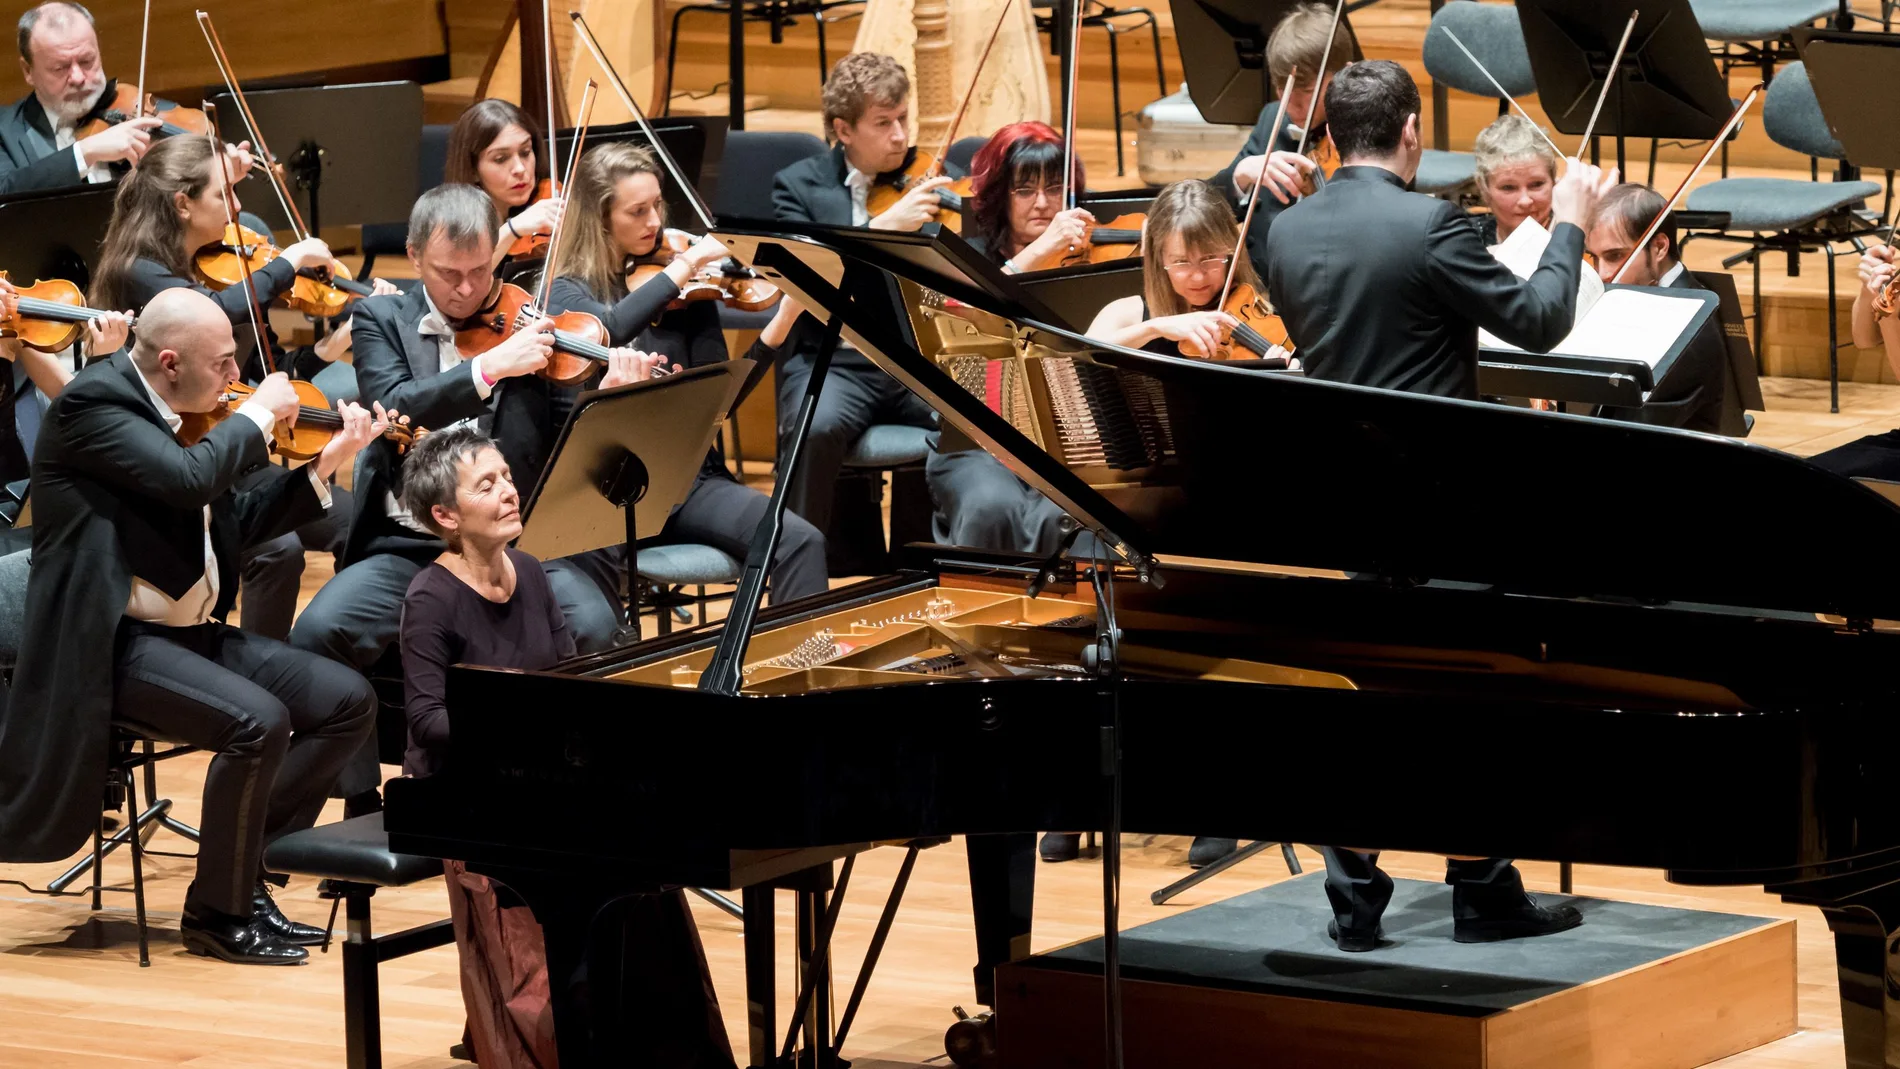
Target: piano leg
[
  {"x": 761, "y": 976},
  {"x": 1002, "y": 897},
  {"x": 1866, "y": 929}
]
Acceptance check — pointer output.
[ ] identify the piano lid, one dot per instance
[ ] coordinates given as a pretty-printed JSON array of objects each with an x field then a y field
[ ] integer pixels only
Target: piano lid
[{"x": 1164, "y": 455}]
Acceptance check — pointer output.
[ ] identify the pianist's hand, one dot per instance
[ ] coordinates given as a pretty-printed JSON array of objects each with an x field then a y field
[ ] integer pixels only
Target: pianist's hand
[
  {"x": 914, "y": 208},
  {"x": 1876, "y": 269}
]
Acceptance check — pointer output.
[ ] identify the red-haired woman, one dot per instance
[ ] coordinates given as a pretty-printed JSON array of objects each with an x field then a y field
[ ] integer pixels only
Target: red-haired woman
[{"x": 1017, "y": 213}]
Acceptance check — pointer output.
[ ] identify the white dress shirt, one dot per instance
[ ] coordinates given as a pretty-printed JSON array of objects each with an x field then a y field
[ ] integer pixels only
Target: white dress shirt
[
  {"x": 66, "y": 136},
  {"x": 150, "y": 604},
  {"x": 435, "y": 325},
  {"x": 1670, "y": 276},
  {"x": 859, "y": 184}
]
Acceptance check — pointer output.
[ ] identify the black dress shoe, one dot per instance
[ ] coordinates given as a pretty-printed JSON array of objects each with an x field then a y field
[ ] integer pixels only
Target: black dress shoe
[
  {"x": 1524, "y": 918},
  {"x": 1354, "y": 940},
  {"x": 1206, "y": 850},
  {"x": 1060, "y": 846},
  {"x": 265, "y": 912},
  {"x": 238, "y": 940}
]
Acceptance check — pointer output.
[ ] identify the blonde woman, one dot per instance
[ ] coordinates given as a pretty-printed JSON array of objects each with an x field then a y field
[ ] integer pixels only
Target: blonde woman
[{"x": 1516, "y": 172}]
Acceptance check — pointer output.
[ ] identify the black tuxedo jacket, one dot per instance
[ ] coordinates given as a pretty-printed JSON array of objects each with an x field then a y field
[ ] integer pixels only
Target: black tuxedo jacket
[
  {"x": 1270, "y": 206},
  {"x": 24, "y": 165},
  {"x": 114, "y": 496},
  {"x": 1382, "y": 287},
  {"x": 399, "y": 367}
]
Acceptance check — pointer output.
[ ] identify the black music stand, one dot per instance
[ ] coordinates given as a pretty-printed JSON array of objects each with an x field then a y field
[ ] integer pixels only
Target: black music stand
[
  {"x": 55, "y": 233},
  {"x": 1224, "y": 54},
  {"x": 1840, "y": 66},
  {"x": 1667, "y": 86},
  {"x": 349, "y": 149},
  {"x": 697, "y": 143},
  {"x": 1592, "y": 380},
  {"x": 642, "y": 442}
]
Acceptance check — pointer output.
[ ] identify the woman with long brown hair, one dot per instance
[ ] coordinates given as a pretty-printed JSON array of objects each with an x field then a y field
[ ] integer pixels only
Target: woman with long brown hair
[
  {"x": 495, "y": 145},
  {"x": 1186, "y": 249},
  {"x": 619, "y": 218}
]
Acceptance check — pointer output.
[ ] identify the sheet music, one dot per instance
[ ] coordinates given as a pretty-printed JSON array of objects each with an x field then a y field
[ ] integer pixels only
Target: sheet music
[
  {"x": 1624, "y": 325},
  {"x": 1522, "y": 251}
]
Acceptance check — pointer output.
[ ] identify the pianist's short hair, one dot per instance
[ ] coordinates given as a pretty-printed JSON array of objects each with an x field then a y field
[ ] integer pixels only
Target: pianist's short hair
[
  {"x": 433, "y": 469},
  {"x": 1366, "y": 107},
  {"x": 1630, "y": 207},
  {"x": 1298, "y": 42},
  {"x": 859, "y": 80},
  {"x": 461, "y": 213},
  {"x": 55, "y": 12}
]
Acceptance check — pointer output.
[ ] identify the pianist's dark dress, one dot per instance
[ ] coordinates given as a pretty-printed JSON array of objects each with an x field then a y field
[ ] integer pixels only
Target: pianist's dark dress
[{"x": 503, "y": 959}]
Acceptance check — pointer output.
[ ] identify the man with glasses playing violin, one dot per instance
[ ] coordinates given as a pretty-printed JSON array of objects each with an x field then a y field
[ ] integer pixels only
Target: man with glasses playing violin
[
  {"x": 135, "y": 544},
  {"x": 407, "y": 360}
]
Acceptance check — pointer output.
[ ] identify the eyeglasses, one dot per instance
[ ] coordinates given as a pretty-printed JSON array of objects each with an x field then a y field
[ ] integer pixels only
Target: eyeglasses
[
  {"x": 1030, "y": 192},
  {"x": 1183, "y": 268}
]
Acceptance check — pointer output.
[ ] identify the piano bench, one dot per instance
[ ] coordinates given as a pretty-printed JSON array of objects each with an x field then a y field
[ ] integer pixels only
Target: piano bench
[{"x": 354, "y": 856}]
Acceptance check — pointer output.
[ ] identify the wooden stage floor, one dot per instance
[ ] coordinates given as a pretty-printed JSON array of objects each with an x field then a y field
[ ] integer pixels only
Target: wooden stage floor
[{"x": 76, "y": 997}]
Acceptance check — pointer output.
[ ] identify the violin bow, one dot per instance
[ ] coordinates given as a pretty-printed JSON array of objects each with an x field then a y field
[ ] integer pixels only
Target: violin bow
[
  {"x": 1312, "y": 106},
  {"x": 950, "y": 134},
  {"x": 639, "y": 116},
  {"x": 1608, "y": 80},
  {"x": 541, "y": 288},
  {"x": 145, "y": 35},
  {"x": 250, "y": 127},
  {"x": 547, "y": 66},
  {"x": 244, "y": 265},
  {"x": 1727, "y": 129},
  {"x": 1446, "y": 30},
  {"x": 1240, "y": 249},
  {"x": 1069, "y": 191}
]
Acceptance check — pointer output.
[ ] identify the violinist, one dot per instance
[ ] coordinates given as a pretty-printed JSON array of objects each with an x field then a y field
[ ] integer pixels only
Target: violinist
[
  {"x": 1695, "y": 393},
  {"x": 495, "y": 146},
  {"x": 866, "y": 101},
  {"x": 1875, "y": 456},
  {"x": 40, "y": 146},
  {"x": 1016, "y": 209},
  {"x": 618, "y": 219},
  {"x": 1516, "y": 170},
  {"x": 1186, "y": 248},
  {"x": 167, "y": 210},
  {"x": 133, "y": 566},
  {"x": 1297, "y": 46},
  {"x": 408, "y": 361}
]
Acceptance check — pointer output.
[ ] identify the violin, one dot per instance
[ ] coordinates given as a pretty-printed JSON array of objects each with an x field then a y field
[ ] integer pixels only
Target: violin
[
  {"x": 728, "y": 281},
  {"x": 1117, "y": 239},
  {"x": 535, "y": 246},
  {"x": 125, "y": 106},
  {"x": 316, "y": 424},
  {"x": 580, "y": 339},
  {"x": 1888, "y": 301},
  {"x": 243, "y": 251},
  {"x": 1257, "y": 333},
  {"x": 50, "y": 315},
  {"x": 890, "y": 187}
]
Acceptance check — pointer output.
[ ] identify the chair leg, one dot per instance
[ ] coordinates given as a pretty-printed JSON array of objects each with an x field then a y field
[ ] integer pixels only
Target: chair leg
[
  {"x": 98, "y": 859},
  {"x": 138, "y": 869},
  {"x": 1833, "y": 336},
  {"x": 1115, "y": 95},
  {"x": 362, "y": 1014},
  {"x": 824, "y": 60},
  {"x": 663, "y": 614},
  {"x": 1161, "y": 70},
  {"x": 699, "y": 604},
  {"x": 1760, "y": 326},
  {"x": 672, "y": 54}
]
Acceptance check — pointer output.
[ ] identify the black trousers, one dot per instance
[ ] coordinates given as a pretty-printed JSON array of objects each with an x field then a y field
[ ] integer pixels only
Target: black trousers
[
  {"x": 281, "y": 723},
  {"x": 982, "y": 504},
  {"x": 857, "y": 394},
  {"x": 1876, "y": 456}
]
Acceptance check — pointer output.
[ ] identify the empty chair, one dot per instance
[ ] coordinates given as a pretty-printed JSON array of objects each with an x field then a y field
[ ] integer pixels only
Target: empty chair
[{"x": 1493, "y": 34}]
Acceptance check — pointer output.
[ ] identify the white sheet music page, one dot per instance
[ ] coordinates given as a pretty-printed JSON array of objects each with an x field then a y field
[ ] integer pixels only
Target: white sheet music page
[{"x": 1615, "y": 324}]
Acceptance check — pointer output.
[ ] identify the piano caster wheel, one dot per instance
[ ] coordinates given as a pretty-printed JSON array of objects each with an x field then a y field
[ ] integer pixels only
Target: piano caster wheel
[{"x": 971, "y": 1042}]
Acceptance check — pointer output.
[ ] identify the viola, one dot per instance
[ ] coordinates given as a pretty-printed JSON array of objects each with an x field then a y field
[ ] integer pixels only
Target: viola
[
  {"x": 1888, "y": 302},
  {"x": 243, "y": 251},
  {"x": 125, "y": 105},
  {"x": 1257, "y": 333},
  {"x": 890, "y": 187},
  {"x": 535, "y": 246},
  {"x": 580, "y": 340},
  {"x": 1117, "y": 239},
  {"x": 728, "y": 281},
  {"x": 316, "y": 424},
  {"x": 50, "y": 315}
]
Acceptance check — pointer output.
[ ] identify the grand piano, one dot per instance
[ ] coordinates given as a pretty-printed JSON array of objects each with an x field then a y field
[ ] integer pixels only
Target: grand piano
[{"x": 1365, "y": 603}]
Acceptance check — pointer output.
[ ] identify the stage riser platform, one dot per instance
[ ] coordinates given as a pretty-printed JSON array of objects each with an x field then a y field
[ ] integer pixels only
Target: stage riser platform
[{"x": 1282, "y": 997}]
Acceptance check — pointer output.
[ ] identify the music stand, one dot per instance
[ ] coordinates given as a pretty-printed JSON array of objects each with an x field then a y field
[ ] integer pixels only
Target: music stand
[
  {"x": 1592, "y": 380},
  {"x": 1839, "y": 65},
  {"x": 349, "y": 149},
  {"x": 642, "y": 442},
  {"x": 697, "y": 143},
  {"x": 1224, "y": 54},
  {"x": 55, "y": 233},
  {"x": 1667, "y": 87}
]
